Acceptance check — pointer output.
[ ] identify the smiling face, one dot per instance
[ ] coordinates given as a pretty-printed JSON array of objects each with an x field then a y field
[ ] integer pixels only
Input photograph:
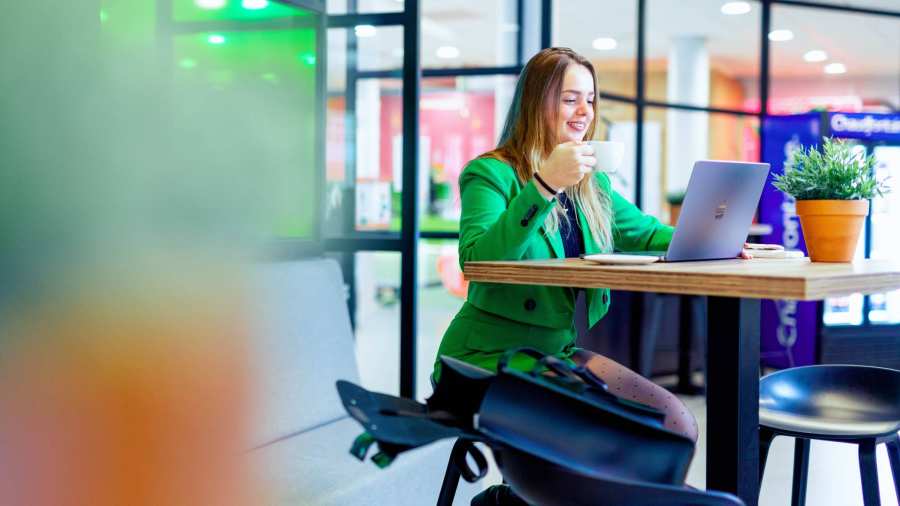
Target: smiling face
[{"x": 576, "y": 104}]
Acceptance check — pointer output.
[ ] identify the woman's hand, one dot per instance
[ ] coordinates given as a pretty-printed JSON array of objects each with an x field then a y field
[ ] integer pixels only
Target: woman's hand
[
  {"x": 746, "y": 255},
  {"x": 567, "y": 164}
]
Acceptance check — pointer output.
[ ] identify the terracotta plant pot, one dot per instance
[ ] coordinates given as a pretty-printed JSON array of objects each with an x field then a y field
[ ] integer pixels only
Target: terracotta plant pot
[
  {"x": 831, "y": 227},
  {"x": 674, "y": 212}
]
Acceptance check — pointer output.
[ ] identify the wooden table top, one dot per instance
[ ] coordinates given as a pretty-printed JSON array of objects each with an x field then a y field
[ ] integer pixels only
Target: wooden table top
[{"x": 797, "y": 279}]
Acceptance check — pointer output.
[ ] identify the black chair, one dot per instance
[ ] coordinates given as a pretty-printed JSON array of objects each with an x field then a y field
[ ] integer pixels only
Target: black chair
[
  {"x": 844, "y": 403},
  {"x": 558, "y": 439},
  {"x": 542, "y": 483}
]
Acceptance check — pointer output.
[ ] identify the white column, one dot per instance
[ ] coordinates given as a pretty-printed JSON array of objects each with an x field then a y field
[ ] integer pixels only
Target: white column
[
  {"x": 506, "y": 32},
  {"x": 503, "y": 97},
  {"x": 687, "y": 132},
  {"x": 507, "y": 43},
  {"x": 368, "y": 120},
  {"x": 531, "y": 29}
]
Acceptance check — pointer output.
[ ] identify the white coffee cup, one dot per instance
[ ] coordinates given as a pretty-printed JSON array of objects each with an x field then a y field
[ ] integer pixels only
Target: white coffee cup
[{"x": 609, "y": 155}]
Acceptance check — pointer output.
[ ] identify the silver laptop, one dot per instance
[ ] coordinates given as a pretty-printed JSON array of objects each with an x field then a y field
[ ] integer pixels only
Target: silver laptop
[{"x": 715, "y": 217}]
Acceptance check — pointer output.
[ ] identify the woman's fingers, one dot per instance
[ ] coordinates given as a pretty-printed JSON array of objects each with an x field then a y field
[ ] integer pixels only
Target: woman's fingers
[{"x": 745, "y": 253}]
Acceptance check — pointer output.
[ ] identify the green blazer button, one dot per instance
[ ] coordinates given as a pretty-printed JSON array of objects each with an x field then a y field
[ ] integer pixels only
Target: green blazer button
[
  {"x": 530, "y": 304},
  {"x": 605, "y": 298}
]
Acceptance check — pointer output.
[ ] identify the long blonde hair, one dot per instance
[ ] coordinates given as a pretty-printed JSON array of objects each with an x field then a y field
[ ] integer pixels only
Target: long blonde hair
[{"x": 527, "y": 139}]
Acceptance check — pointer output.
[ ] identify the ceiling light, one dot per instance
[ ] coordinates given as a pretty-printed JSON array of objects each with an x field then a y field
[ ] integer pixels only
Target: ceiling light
[
  {"x": 815, "y": 55},
  {"x": 735, "y": 8},
  {"x": 835, "y": 68},
  {"x": 364, "y": 30},
  {"x": 780, "y": 35},
  {"x": 253, "y": 5},
  {"x": 210, "y": 4},
  {"x": 604, "y": 43},
  {"x": 447, "y": 52},
  {"x": 216, "y": 39}
]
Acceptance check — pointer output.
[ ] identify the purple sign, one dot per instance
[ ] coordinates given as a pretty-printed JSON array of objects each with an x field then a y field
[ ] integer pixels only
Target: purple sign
[
  {"x": 788, "y": 328},
  {"x": 879, "y": 127}
]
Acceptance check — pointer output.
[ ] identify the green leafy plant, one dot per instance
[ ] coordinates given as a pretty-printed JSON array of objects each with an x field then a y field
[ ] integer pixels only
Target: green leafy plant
[
  {"x": 834, "y": 173},
  {"x": 675, "y": 198}
]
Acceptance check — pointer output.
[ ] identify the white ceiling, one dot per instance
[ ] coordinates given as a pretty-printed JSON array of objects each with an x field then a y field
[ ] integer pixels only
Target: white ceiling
[
  {"x": 884, "y": 5},
  {"x": 484, "y": 33},
  {"x": 867, "y": 45}
]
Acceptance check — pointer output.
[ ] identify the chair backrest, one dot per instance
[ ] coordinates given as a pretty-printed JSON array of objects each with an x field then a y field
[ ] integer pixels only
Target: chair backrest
[
  {"x": 303, "y": 345},
  {"x": 581, "y": 432}
]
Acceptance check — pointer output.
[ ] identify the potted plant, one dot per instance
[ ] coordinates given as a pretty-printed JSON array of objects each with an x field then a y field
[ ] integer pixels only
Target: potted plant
[
  {"x": 832, "y": 187},
  {"x": 675, "y": 199}
]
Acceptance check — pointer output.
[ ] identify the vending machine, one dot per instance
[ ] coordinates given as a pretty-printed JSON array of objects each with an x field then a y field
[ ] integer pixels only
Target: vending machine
[{"x": 853, "y": 329}]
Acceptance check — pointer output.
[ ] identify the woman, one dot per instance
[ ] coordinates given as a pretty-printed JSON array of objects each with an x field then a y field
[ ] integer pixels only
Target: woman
[{"x": 536, "y": 196}]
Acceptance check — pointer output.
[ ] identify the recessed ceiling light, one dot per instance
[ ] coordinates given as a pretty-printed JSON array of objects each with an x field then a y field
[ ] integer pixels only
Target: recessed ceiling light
[
  {"x": 815, "y": 55},
  {"x": 364, "y": 30},
  {"x": 447, "y": 52},
  {"x": 604, "y": 43},
  {"x": 210, "y": 4},
  {"x": 735, "y": 8},
  {"x": 216, "y": 39},
  {"x": 835, "y": 68},
  {"x": 253, "y": 5},
  {"x": 780, "y": 35}
]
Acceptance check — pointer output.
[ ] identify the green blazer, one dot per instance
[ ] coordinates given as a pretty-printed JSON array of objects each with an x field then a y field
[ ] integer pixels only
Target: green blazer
[{"x": 502, "y": 219}]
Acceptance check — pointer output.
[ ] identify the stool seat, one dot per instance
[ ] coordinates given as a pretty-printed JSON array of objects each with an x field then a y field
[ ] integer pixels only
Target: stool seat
[
  {"x": 831, "y": 401},
  {"x": 846, "y": 403}
]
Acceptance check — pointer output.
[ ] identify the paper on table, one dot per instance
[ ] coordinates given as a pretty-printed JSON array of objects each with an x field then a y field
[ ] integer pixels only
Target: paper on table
[
  {"x": 618, "y": 258},
  {"x": 757, "y": 253}
]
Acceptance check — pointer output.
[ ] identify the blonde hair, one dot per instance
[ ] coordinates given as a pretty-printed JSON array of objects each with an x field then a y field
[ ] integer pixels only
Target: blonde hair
[{"x": 526, "y": 141}]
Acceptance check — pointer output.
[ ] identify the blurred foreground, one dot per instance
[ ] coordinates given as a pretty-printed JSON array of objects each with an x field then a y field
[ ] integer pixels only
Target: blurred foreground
[{"x": 130, "y": 206}]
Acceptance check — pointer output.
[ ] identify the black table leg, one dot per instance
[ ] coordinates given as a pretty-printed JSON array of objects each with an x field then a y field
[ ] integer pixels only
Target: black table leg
[{"x": 732, "y": 397}]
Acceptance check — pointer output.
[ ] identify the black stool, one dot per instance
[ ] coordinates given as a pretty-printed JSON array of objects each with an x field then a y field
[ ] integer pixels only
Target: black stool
[{"x": 844, "y": 403}]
